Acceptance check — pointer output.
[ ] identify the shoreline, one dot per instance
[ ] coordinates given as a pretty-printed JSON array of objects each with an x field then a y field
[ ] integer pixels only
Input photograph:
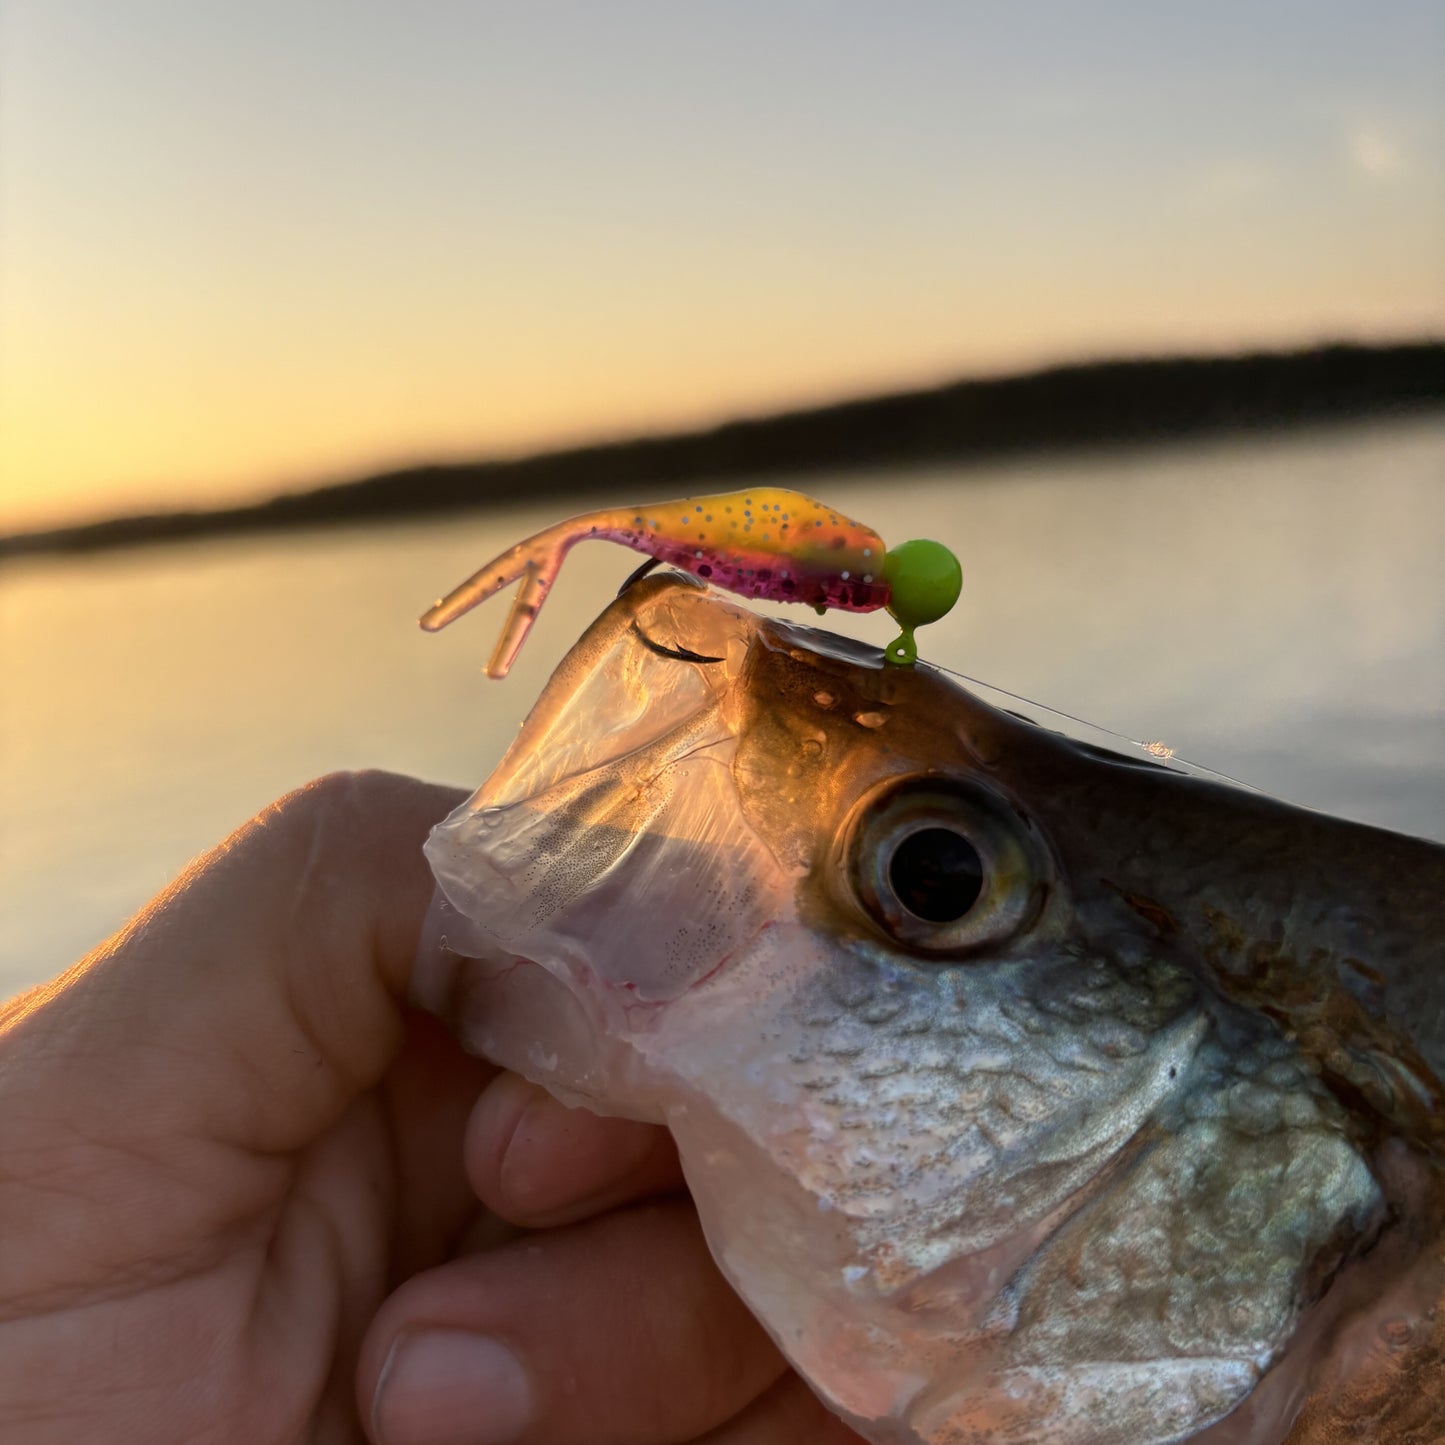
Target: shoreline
[{"x": 1119, "y": 402}]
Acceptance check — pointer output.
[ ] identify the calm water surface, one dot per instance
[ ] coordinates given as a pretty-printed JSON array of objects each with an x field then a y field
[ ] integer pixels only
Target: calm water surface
[{"x": 1274, "y": 608}]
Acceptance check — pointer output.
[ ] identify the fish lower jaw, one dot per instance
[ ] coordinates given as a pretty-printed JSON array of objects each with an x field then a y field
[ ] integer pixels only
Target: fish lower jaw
[{"x": 1103, "y": 1402}]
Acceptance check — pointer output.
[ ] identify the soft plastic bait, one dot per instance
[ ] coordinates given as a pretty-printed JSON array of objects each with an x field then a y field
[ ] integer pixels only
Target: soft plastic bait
[{"x": 763, "y": 542}]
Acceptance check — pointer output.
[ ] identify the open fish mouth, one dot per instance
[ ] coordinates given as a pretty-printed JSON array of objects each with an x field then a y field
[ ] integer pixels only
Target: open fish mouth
[
  {"x": 960, "y": 1028},
  {"x": 608, "y": 796}
]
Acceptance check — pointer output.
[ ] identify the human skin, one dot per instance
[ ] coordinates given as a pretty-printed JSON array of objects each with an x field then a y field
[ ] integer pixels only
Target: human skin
[{"x": 247, "y": 1194}]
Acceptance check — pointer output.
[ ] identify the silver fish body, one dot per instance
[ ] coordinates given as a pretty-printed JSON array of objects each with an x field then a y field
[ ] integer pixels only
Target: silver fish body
[{"x": 1027, "y": 1092}]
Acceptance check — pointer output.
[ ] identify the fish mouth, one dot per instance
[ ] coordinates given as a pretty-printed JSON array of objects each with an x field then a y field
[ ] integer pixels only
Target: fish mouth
[
  {"x": 618, "y": 788},
  {"x": 664, "y": 652}
]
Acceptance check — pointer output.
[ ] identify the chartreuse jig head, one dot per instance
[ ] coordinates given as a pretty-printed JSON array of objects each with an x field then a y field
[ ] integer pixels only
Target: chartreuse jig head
[{"x": 765, "y": 542}]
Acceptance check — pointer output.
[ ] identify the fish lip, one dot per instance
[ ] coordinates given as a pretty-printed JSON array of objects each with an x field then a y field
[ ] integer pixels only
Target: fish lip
[{"x": 621, "y": 763}]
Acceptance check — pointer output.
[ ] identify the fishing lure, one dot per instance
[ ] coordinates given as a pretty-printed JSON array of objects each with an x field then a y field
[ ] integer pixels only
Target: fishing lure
[{"x": 765, "y": 542}]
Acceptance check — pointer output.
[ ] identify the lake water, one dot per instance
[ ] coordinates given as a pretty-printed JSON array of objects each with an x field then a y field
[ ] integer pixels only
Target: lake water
[{"x": 1271, "y": 607}]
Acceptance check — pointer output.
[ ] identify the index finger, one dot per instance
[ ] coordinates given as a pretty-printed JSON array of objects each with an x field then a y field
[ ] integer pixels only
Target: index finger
[{"x": 258, "y": 995}]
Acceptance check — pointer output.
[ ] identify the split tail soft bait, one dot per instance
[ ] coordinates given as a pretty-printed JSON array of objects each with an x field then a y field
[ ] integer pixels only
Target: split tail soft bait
[{"x": 766, "y": 542}]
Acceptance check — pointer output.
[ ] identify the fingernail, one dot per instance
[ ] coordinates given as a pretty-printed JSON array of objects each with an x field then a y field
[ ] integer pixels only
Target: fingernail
[{"x": 450, "y": 1387}]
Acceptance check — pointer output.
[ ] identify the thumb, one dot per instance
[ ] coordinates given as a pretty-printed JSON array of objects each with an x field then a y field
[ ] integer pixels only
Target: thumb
[{"x": 257, "y": 996}]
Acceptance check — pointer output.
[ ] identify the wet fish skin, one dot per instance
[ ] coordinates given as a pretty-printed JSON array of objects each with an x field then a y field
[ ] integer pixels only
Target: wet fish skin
[{"x": 1146, "y": 1148}]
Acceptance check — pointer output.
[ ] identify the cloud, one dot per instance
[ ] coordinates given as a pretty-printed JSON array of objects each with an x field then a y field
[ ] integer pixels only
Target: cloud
[{"x": 1374, "y": 152}]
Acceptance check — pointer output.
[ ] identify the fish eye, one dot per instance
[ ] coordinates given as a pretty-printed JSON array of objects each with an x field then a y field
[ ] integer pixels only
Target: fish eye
[
  {"x": 943, "y": 866},
  {"x": 936, "y": 874}
]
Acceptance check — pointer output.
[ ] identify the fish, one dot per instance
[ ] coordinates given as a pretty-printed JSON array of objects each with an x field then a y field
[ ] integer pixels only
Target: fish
[{"x": 1027, "y": 1092}]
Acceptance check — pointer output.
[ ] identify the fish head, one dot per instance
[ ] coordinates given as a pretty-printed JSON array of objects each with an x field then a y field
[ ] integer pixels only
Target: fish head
[{"x": 1026, "y": 1091}]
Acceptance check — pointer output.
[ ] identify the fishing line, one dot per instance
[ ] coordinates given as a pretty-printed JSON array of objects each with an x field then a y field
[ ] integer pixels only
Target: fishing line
[
  {"x": 1157, "y": 750},
  {"x": 1160, "y": 752}
]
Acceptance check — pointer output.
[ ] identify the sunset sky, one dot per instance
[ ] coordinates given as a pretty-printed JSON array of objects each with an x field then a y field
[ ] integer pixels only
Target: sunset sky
[{"x": 251, "y": 246}]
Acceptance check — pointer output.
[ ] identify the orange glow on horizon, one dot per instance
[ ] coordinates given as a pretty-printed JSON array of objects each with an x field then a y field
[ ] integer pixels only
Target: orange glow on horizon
[{"x": 543, "y": 241}]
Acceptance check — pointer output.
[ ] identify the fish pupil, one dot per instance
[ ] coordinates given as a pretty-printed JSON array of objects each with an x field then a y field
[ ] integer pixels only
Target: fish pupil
[{"x": 937, "y": 874}]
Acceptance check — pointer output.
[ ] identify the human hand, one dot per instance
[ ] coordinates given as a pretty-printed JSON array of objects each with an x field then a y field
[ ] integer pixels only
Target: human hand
[{"x": 240, "y": 1184}]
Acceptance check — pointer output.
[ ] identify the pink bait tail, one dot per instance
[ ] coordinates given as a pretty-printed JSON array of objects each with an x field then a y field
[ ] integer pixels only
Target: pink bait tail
[{"x": 764, "y": 542}]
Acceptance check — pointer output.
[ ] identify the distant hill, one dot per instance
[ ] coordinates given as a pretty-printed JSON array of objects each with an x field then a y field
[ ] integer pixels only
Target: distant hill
[{"x": 1108, "y": 402}]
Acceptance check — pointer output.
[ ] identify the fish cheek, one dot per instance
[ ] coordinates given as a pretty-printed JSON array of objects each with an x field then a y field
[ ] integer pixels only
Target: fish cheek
[{"x": 798, "y": 759}]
